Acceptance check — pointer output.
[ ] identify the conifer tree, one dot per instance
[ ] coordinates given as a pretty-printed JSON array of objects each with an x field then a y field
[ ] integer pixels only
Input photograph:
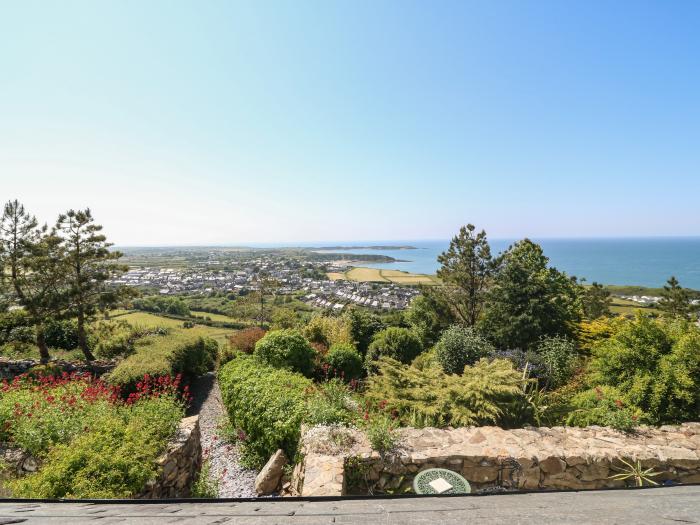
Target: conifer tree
[
  {"x": 89, "y": 264},
  {"x": 675, "y": 300}
]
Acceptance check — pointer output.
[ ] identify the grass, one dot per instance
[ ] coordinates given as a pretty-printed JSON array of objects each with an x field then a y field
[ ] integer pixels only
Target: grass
[
  {"x": 149, "y": 320},
  {"x": 361, "y": 274}
]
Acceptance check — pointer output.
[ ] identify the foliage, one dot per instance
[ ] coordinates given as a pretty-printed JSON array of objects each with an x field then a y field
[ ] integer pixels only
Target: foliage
[
  {"x": 636, "y": 473},
  {"x": 162, "y": 305},
  {"x": 596, "y": 301},
  {"x": 484, "y": 394},
  {"x": 603, "y": 406},
  {"x": 381, "y": 433},
  {"x": 61, "y": 334},
  {"x": 204, "y": 486},
  {"x": 460, "y": 346},
  {"x": 344, "y": 361},
  {"x": 244, "y": 340},
  {"x": 429, "y": 315},
  {"x": 114, "y": 457},
  {"x": 284, "y": 318},
  {"x": 676, "y": 300},
  {"x": 286, "y": 349},
  {"x": 655, "y": 365},
  {"x": 556, "y": 357},
  {"x": 466, "y": 268},
  {"x": 156, "y": 355},
  {"x": 529, "y": 300},
  {"x": 331, "y": 404},
  {"x": 397, "y": 343},
  {"x": 363, "y": 325},
  {"x": 266, "y": 403},
  {"x": 328, "y": 330},
  {"x": 589, "y": 333}
]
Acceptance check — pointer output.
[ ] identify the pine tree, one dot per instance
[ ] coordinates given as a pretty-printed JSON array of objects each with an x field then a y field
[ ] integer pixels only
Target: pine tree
[
  {"x": 467, "y": 267},
  {"x": 675, "y": 300},
  {"x": 89, "y": 264},
  {"x": 33, "y": 267},
  {"x": 596, "y": 301}
]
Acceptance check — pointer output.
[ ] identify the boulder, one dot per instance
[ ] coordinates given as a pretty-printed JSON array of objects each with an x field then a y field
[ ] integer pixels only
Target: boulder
[{"x": 269, "y": 477}]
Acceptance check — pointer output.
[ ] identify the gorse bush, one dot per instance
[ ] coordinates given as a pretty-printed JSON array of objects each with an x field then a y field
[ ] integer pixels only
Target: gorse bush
[
  {"x": 286, "y": 349},
  {"x": 484, "y": 394},
  {"x": 460, "y": 346},
  {"x": 188, "y": 354},
  {"x": 344, "y": 361},
  {"x": 401, "y": 344},
  {"x": 266, "y": 403},
  {"x": 656, "y": 367}
]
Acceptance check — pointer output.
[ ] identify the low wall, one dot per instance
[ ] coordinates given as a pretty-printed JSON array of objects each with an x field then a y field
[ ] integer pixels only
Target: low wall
[
  {"x": 9, "y": 368},
  {"x": 491, "y": 458},
  {"x": 181, "y": 462}
]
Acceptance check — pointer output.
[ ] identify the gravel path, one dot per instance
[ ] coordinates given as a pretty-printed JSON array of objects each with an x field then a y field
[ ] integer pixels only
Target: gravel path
[{"x": 233, "y": 480}]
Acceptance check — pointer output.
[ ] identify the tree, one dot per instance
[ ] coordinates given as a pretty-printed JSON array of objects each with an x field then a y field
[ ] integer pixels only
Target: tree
[
  {"x": 529, "y": 300},
  {"x": 266, "y": 285},
  {"x": 467, "y": 267},
  {"x": 401, "y": 344},
  {"x": 33, "y": 266},
  {"x": 460, "y": 346},
  {"x": 363, "y": 326},
  {"x": 90, "y": 264},
  {"x": 675, "y": 300},
  {"x": 429, "y": 315},
  {"x": 596, "y": 301}
]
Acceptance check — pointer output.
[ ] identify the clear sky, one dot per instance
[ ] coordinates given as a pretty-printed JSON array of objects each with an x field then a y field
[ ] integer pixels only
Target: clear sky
[{"x": 228, "y": 122}]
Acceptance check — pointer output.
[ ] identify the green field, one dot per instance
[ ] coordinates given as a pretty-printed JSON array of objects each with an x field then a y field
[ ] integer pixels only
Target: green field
[
  {"x": 365, "y": 275},
  {"x": 150, "y": 320}
]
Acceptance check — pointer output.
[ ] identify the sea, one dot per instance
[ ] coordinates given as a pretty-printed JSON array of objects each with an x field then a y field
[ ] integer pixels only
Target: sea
[{"x": 624, "y": 261}]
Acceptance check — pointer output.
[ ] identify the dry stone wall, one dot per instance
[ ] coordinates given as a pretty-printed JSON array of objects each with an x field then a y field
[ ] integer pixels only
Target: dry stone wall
[
  {"x": 180, "y": 464},
  {"x": 9, "y": 368},
  {"x": 491, "y": 458}
]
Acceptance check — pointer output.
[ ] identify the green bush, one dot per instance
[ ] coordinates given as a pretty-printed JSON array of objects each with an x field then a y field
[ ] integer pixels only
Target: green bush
[
  {"x": 115, "y": 458},
  {"x": 268, "y": 404},
  {"x": 177, "y": 353},
  {"x": 401, "y": 344},
  {"x": 61, "y": 334},
  {"x": 286, "y": 349},
  {"x": 555, "y": 359},
  {"x": 603, "y": 406},
  {"x": 344, "y": 361},
  {"x": 331, "y": 404},
  {"x": 655, "y": 364},
  {"x": 485, "y": 394},
  {"x": 460, "y": 346}
]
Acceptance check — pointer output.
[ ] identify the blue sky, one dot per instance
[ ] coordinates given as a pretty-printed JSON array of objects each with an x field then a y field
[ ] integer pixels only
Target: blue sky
[{"x": 231, "y": 122}]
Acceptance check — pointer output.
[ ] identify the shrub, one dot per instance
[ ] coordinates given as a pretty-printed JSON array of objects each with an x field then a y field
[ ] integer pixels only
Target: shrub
[
  {"x": 460, "y": 346},
  {"x": 363, "y": 325},
  {"x": 556, "y": 357},
  {"x": 331, "y": 404},
  {"x": 268, "y": 404},
  {"x": 61, "y": 334},
  {"x": 381, "y": 433},
  {"x": 286, "y": 349},
  {"x": 114, "y": 458},
  {"x": 187, "y": 354},
  {"x": 328, "y": 330},
  {"x": 656, "y": 367},
  {"x": 401, "y": 344},
  {"x": 603, "y": 406},
  {"x": 344, "y": 361},
  {"x": 244, "y": 340},
  {"x": 486, "y": 393}
]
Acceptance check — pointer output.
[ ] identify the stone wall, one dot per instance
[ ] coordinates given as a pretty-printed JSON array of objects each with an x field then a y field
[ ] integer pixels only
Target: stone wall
[
  {"x": 181, "y": 462},
  {"x": 491, "y": 458},
  {"x": 9, "y": 368}
]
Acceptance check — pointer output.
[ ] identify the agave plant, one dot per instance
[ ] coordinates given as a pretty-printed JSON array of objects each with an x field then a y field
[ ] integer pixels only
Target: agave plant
[{"x": 636, "y": 472}]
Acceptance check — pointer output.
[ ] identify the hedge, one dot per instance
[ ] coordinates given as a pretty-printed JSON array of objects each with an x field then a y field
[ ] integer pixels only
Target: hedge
[
  {"x": 268, "y": 404},
  {"x": 177, "y": 353}
]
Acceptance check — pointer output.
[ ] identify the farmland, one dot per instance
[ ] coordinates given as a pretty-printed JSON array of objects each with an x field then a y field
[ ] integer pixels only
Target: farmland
[{"x": 360, "y": 274}]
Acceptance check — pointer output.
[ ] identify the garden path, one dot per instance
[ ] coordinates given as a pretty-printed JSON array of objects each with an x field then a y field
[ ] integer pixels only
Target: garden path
[{"x": 225, "y": 470}]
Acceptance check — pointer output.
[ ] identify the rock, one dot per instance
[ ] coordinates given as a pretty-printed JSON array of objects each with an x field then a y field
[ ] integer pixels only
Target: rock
[
  {"x": 553, "y": 465},
  {"x": 266, "y": 482},
  {"x": 29, "y": 464}
]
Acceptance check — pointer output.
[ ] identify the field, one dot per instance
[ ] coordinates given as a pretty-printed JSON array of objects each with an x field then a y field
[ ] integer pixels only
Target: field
[
  {"x": 621, "y": 306},
  {"x": 383, "y": 276},
  {"x": 149, "y": 320}
]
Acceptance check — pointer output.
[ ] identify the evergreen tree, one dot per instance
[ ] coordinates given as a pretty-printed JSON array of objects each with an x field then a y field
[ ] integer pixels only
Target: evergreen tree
[
  {"x": 89, "y": 264},
  {"x": 33, "y": 267},
  {"x": 467, "y": 267},
  {"x": 596, "y": 301},
  {"x": 529, "y": 300},
  {"x": 676, "y": 300}
]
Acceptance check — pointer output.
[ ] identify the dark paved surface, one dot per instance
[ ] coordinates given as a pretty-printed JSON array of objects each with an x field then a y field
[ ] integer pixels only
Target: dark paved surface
[{"x": 677, "y": 505}]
